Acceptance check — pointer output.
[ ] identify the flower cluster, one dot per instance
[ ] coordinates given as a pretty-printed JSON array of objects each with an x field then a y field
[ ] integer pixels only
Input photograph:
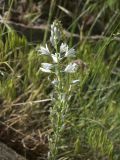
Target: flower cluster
[
  {"x": 62, "y": 51},
  {"x": 58, "y": 51},
  {"x": 55, "y": 33}
]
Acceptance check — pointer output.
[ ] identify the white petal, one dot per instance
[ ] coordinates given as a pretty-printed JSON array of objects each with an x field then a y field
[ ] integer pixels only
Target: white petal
[
  {"x": 55, "y": 81},
  {"x": 54, "y": 57},
  {"x": 44, "y": 50},
  {"x": 70, "y": 53},
  {"x": 63, "y": 48},
  {"x": 52, "y": 40},
  {"x": 2, "y": 73},
  {"x": 46, "y": 65},
  {"x": 55, "y": 34},
  {"x": 71, "y": 68},
  {"x": 45, "y": 70},
  {"x": 75, "y": 81}
]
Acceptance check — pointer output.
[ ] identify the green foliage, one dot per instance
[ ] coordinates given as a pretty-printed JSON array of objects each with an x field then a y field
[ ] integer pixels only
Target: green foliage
[{"x": 113, "y": 4}]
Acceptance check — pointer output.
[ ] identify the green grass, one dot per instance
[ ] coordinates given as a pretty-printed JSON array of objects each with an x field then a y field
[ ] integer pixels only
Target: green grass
[{"x": 92, "y": 123}]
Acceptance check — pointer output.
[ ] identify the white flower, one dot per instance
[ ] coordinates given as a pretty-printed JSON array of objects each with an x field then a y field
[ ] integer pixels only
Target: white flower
[
  {"x": 71, "y": 68},
  {"x": 75, "y": 81},
  {"x": 52, "y": 40},
  {"x": 44, "y": 50},
  {"x": 70, "y": 53},
  {"x": 2, "y": 73},
  {"x": 55, "y": 30},
  {"x": 56, "y": 57},
  {"x": 46, "y": 67},
  {"x": 63, "y": 48},
  {"x": 55, "y": 34},
  {"x": 55, "y": 82}
]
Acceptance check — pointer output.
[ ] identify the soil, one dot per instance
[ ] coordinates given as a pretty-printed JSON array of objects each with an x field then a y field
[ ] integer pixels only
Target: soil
[
  {"x": 7, "y": 153},
  {"x": 12, "y": 138}
]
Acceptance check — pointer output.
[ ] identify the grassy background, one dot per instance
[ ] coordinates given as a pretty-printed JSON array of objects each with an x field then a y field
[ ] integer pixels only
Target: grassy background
[{"x": 93, "y": 122}]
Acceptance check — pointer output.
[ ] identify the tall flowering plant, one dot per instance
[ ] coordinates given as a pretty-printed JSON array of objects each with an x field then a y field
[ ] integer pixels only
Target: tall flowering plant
[{"x": 58, "y": 52}]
